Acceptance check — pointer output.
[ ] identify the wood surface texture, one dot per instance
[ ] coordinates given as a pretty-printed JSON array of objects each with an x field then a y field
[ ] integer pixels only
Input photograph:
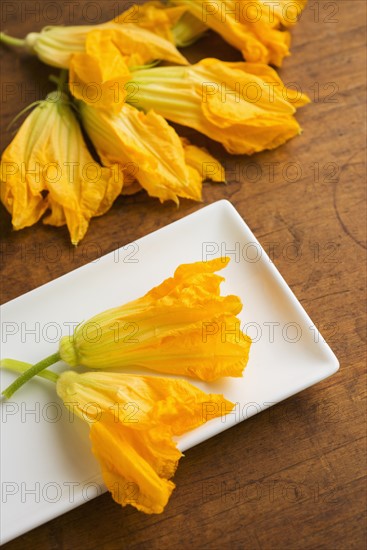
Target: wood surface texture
[{"x": 293, "y": 476}]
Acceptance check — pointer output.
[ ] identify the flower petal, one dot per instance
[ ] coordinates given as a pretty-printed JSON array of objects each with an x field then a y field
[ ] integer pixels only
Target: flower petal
[
  {"x": 99, "y": 75},
  {"x": 128, "y": 475},
  {"x": 55, "y": 161},
  {"x": 148, "y": 146},
  {"x": 153, "y": 16},
  {"x": 254, "y": 27},
  {"x": 133, "y": 428},
  {"x": 244, "y": 106},
  {"x": 21, "y": 183},
  {"x": 182, "y": 326},
  {"x": 202, "y": 162}
]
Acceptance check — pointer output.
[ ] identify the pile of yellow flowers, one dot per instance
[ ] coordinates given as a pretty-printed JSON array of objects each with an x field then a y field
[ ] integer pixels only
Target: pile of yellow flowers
[
  {"x": 179, "y": 330},
  {"x": 124, "y": 101}
]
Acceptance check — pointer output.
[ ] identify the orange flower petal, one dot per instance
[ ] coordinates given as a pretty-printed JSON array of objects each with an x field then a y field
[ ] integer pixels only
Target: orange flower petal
[
  {"x": 146, "y": 146},
  {"x": 132, "y": 430},
  {"x": 244, "y": 106},
  {"x": 182, "y": 326},
  {"x": 48, "y": 156}
]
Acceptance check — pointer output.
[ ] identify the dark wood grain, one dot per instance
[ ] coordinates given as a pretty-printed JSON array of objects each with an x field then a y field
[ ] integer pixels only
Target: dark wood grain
[{"x": 294, "y": 476}]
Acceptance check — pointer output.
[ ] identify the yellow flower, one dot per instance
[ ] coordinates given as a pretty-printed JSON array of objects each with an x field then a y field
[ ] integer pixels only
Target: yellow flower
[
  {"x": 98, "y": 76},
  {"x": 244, "y": 106},
  {"x": 255, "y": 27},
  {"x": 183, "y": 326},
  {"x": 57, "y": 45},
  {"x": 132, "y": 424},
  {"x": 99, "y": 56},
  {"x": 199, "y": 160},
  {"x": 48, "y": 166},
  {"x": 283, "y": 12},
  {"x": 146, "y": 146},
  {"x": 155, "y": 17}
]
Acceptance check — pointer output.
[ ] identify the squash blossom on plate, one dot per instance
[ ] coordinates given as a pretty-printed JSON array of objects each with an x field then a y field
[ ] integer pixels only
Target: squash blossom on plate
[
  {"x": 47, "y": 167},
  {"x": 147, "y": 147},
  {"x": 183, "y": 326},
  {"x": 244, "y": 106},
  {"x": 132, "y": 426},
  {"x": 133, "y": 421}
]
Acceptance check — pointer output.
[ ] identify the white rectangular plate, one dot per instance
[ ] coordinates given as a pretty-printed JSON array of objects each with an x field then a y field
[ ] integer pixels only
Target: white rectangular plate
[{"x": 47, "y": 467}]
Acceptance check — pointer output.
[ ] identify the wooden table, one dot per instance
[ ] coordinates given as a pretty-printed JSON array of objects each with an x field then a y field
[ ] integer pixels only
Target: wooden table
[{"x": 305, "y": 456}]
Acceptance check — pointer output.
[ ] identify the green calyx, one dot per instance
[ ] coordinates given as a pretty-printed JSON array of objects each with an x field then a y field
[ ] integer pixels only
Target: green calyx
[{"x": 67, "y": 351}]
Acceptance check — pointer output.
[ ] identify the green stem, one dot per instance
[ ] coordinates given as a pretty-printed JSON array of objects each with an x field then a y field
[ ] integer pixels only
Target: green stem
[
  {"x": 11, "y": 41},
  {"x": 21, "y": 366},
  {"x": 60, "y": 80},
  {"x": 28, "y": 374}
]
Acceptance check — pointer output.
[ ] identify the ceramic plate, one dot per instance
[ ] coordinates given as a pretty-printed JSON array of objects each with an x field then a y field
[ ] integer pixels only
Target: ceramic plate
[{"x": 47, "y": 467}]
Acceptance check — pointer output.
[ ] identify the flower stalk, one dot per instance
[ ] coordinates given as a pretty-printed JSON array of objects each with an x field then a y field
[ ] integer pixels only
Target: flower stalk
[
  {"x": 21, "y": 366},
  {"x": 12, "y": 41},
  {"x": 29, "y": 373}
]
